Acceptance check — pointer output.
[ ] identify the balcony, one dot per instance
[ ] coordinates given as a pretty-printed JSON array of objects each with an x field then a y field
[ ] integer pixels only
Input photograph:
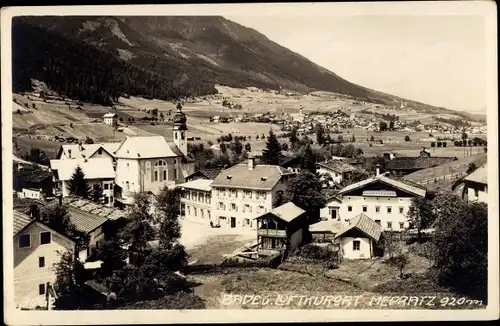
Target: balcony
[{"x": 271, "y": 233}]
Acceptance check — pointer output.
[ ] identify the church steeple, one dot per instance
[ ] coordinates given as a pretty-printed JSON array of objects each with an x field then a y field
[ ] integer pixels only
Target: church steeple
[{"x": 180, "y": 130}]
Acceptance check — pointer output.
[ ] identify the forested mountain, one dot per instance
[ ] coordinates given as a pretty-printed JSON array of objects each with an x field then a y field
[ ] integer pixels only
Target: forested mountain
[
  {"x": 97, "y": 58},
  {"x": 79, "y": 70}
]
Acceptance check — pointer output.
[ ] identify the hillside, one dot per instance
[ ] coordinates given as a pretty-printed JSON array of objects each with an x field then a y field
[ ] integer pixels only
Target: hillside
[{"x": 166, "y": 57}]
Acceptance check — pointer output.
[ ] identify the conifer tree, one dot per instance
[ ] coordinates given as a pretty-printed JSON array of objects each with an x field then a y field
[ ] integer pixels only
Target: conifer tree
[
  {"x": 78, "y": 185},
  {"x": 272, "y": 153}
]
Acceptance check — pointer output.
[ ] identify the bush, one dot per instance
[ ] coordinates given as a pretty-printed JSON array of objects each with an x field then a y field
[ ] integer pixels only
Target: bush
[
  {"x": 407, "y": 138},
  {"x": 433, "y": 144},
  {"x": 439, "y": 144},
  {"x": 312, "y": 251}
]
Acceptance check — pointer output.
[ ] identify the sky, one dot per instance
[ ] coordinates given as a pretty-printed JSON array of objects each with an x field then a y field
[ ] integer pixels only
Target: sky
[{"x": 438, "y": 60}]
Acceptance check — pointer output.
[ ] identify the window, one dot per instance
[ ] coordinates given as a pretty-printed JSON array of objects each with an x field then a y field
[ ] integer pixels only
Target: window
[
  {"x": 365, "y": 209},
  {"x": 247, "y": 221},
  {"x": 41, "y": 289},
  {"x": 45, "y": 237},
  {"x": 106, "y": 186},
  {"x": 389, "y": 225},
  {"x": 207, "y": 199},
  {"x": 401, "y": 209},
  {"x": 24, "y": 241},
  {"x": 175, "y": 174},
  {"x": 193, "y": 195},
  {"x": 401, "y": 225},
  {"x": 356, "y": 245},
  {"x": 201, "y": 213},
  {"x": 195, "y": 211},
  {"x": 389, "y": 209},
  {"x": 41, "y": 262},
  {"x": 377, "y": 221},
  {"x": 377, "y": 209},
  {"x": 221, "y": 206},
  {"x": 160, "y": 168},
  {"x": 248, "y": 194},
  {"x": 218, "y": 192},
  {"x": 99, "y": 151},
  {"x": 182, "y": 135},
  {"x": 234, "y": 193},
  {"x": 247, "y": 208},
  {"x": 148, "y": 170},
  {"x": 234, "y": 207},
  {"x": 189, "y": 210},
  {"x": 111, "y": 199},
  {"x": 349, "y": 208},
  {"x": 476, "y": 193},
  {"x": 223, "y": 192},
  {"x": 208, "y": 214},
  {"x": 175, "y": 162},
  {"x": 188, "y": 195},
  {"x": 200, "y": 197}
]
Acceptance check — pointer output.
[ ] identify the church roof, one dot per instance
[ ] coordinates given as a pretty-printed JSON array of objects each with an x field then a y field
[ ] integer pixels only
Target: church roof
[{"x": 139, "y": 147}]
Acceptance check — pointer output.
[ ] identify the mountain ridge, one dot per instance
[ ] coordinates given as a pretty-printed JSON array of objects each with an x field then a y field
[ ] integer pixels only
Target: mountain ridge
[{"x": 181, "y": 50}]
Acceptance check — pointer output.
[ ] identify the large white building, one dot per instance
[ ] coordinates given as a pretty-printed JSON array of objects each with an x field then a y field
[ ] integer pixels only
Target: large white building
[
  {"x": 110, "y": 119},
  {"x": 245, "y": 191},
  {"x": 137, "y": 164},
  {"x": 196, "y": 200},
  {"x": 384, "y": 200}
]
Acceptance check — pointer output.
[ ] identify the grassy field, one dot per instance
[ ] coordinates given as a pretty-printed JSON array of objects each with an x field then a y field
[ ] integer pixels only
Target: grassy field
[
  {"x": 49, "y": 147},
  {"x": 367, "y": 280}
]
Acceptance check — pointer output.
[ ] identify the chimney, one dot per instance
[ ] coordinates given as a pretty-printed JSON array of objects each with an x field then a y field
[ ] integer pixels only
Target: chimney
[
  {"x": 251, "y": 163},
  {"x": 377, "y": 173}
]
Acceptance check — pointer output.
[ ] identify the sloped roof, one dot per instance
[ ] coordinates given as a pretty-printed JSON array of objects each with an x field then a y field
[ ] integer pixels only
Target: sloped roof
[
  {"x": 137, "y": 147},
  {"x": 395, "y": 183},
  {"x": 330, "y": 226},
  {"x": 286, "y": 212},
  {"x": 408, "y": 163},
  {"x": 365, "y": 225},
  {"x": 198, "y": 184},
  {"x": 110, "y": 115},
  {"x": 87, "y": 150},
  {"x": 94, "y": 208},
  {"x": 20, "y": 221},
  {"x": 261, "y": 177},
  {"x": 337, "y": 166},
  {"x": 480, "y": 175},
  {"x": 93, "y": 168},
  {"x": 85, "y": 221}
]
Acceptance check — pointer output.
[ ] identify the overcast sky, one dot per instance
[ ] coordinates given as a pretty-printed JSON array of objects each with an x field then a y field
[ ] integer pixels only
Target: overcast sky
[{"x": 439, "y": 60}]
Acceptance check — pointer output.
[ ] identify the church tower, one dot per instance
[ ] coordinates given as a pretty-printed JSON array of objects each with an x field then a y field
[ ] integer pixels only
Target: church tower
[{"x": 180, "y": 130}]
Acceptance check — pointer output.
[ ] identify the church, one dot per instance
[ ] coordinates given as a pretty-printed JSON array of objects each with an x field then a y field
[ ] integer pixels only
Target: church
[{"x": 137, "y": 164}]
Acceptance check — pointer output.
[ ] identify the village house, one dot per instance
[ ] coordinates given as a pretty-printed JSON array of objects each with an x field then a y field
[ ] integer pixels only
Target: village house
[
  {"x": 36, "y": 249},
  {"x": 359, "y": 239},
  {"x": 474, "y": 187},
  {"x": 204, "y": 173},
  {"x": 337, "y": 169},
  {"x": 381, "y": 198},
  {"x": 97, "y": 171},
  {"x": 401, "y": 166},
  {"x": 111, "y": 119},
  {"x": 246, "y": 190},
  {"x": 281, "y": 229},
  {"x": 32, "y": 181},
  {"x": 196, "y": 200}
]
